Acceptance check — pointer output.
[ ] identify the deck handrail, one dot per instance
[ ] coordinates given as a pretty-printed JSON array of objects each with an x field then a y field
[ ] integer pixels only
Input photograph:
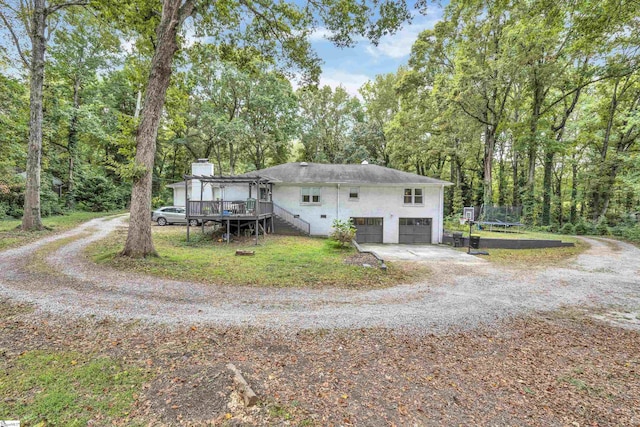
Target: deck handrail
[
  {"x": 292, "y": 219},
  {"x": 225, "y": 208}
]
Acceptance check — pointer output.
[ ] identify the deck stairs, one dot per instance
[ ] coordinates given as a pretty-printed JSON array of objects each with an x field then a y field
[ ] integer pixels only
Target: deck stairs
[{"x": 289, "y": 224}]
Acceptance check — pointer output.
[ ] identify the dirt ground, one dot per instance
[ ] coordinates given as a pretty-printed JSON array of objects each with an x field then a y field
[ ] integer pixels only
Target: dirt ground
[{"x": 560, "y": 368}]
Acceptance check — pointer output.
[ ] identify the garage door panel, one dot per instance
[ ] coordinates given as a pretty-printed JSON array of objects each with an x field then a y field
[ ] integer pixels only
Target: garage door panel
[
  {"x": 415, "y": 230},
  {"x": 368, "y": 230}
]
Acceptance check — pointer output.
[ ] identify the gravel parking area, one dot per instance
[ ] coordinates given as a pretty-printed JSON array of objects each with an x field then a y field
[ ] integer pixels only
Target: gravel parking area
[{"x": 455, "y": 296}]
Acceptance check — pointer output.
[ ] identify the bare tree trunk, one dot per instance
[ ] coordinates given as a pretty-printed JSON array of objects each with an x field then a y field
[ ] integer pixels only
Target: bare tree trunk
[
  {"x": 136, "y": 113},
  {"x": 31, "y": 219},
  {"x": 559, "y": 208},
  {"x": 72, "y": 142},
  {"x": 487, "y": 178},
  {"x": 232, "y": 160},
  {"x": 529, "y": 194},
  {"x": 546, "y": 185},
  {"x": 501, "y": 177},
  {"x": 139, "y": 242},
  {"x": 573, "y": 213}
]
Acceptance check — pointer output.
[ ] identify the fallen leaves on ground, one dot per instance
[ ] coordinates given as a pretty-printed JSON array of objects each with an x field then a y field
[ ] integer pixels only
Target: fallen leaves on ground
[{"x": 558, "y": 368}]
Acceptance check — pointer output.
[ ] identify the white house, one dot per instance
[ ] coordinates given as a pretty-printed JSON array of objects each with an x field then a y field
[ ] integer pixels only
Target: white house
[
  {"x": 386, "y": 205},
  {"x": 201, "y": 167}
]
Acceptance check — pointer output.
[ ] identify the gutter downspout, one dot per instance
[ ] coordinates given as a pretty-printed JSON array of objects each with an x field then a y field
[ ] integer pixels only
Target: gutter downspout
[
  {"x": 338, "y": 203},
  {"x": 440, "y": 214}
]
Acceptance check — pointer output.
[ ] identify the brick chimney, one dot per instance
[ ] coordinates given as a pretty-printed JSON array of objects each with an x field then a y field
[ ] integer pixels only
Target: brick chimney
[{"x": 201, "y": 167}]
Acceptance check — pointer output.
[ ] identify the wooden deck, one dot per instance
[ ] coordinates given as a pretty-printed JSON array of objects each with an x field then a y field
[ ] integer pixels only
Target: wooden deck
[
  {"x": 250, "y": 216},
  {"x": 224, "y": 209}
]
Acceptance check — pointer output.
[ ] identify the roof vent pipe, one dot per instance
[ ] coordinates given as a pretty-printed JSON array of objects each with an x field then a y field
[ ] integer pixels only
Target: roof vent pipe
[
  {"x": 364, "y": 162},
  {"x": 304, "y": 164}
]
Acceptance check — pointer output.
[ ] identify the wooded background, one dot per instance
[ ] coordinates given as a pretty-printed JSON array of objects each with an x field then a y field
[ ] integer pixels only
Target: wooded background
[{"x": 533, "y": 104}]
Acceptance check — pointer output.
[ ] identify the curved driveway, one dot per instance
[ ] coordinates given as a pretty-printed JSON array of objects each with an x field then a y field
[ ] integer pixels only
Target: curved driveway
[{"x": 456, "y": 295}]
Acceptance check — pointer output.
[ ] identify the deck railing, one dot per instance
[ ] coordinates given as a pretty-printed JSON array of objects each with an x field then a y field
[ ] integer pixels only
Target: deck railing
[
  {"x": 292, "y": 219},
  {"x": 265, "y": 207},
  {"x": 223, "y": 208}
]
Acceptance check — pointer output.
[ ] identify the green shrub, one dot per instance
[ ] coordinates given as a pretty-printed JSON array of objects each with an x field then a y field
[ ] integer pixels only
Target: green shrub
[
  {"x": 160, "y": 201},
  {"x": 568, "y": 228},
  {"x": 98, "y": 193},
  {"x": 12, "y": 195},
  {"x": 4, "y": 209},
  {"x": 582, "y": 228},
  {"x": 343, "y": 231},
  {"x": 50, "y": 203},
  {"x": 602, "y": 228},
  {"x": 633, "y": 233}
]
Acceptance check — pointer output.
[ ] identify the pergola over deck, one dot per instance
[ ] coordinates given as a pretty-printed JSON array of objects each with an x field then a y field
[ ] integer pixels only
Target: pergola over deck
[{"x": 247, "y": 213}]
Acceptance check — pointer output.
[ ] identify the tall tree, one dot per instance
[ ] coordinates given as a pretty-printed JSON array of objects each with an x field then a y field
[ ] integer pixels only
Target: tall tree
[
  {"x": 33, "y": 19},
  {"x": 88, "y": 46},
  {"x": 328, "y": 119},
  {"x": 275, "y": 28}
]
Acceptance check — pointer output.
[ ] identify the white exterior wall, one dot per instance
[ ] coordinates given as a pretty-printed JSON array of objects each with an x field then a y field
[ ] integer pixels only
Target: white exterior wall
[
  {"x": 374, "y": 201},
  {"x": 237, "y": 192},
  {"x": 179, "y": 198},
  {"x": 204, "y": 169}
]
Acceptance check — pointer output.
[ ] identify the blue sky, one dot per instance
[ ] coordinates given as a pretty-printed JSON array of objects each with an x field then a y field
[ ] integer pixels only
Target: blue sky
[{"x": 352, "y": 67}]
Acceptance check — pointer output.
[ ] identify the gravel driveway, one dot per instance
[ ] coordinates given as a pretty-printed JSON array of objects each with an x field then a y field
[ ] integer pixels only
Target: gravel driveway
[{"x": 456, "y": 295}]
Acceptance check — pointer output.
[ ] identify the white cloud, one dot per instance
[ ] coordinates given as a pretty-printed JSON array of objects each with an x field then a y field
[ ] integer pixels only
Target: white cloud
[
  {"x": 322, "y": 34},
  {"x": 319, "y": 34},
  {"x": 349, "y": 81},
  {"x": 189, "y": 34},
  {"x": 399, "y": 45},
  {"x": 128, "y": 45}
]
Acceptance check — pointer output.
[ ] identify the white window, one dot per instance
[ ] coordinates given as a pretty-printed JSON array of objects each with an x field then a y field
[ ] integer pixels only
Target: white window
[
  {"x": 310, "y": 195},
  {"x": 354, "y": 193},
  {"x": 413, "y": 196}
]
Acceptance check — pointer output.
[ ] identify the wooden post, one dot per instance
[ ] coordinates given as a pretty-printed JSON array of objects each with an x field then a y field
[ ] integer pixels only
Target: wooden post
[
  {"x": 228, "y": 229},
  {"x": 186, "y": 202},
  {"x": 257, "y": 231}
]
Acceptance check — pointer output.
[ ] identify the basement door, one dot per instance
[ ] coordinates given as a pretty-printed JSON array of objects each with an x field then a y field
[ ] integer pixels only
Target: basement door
[
  {"x": 368, "y": 230},
  {"x": 415, "y": 230}
]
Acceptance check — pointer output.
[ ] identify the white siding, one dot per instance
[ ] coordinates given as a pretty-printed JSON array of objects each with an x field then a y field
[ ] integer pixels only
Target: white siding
[
  {"x": 386, "y": 202},
  {"x": 203, "y": 169},
  {"x": 234, "y": 192},
  {"x": 178, "y": 196}
]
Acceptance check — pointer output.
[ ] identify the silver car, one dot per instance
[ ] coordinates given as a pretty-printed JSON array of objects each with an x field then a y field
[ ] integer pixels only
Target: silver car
[{"x": 172, "y": 215}]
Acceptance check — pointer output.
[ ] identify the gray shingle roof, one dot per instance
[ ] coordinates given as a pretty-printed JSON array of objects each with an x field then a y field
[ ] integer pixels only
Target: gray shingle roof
[{"x": 347, "y": 174}]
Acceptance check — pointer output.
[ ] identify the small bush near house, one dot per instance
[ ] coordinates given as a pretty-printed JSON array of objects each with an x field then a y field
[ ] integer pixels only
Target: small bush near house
[{"x": 343, "y": 231}]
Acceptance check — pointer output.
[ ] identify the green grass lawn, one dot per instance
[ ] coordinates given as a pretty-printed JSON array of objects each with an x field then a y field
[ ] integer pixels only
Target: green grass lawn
[
  {"x": 280, "y": 261},
  {"x": 545, "y": 257},
  {"x": 531, "y": 257},
  {"x": 11, "y": 236},
  {"x": 533, "y": 235},
  {"x": 47, "y": 388},
  {"x": 524, "y": 235}
]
